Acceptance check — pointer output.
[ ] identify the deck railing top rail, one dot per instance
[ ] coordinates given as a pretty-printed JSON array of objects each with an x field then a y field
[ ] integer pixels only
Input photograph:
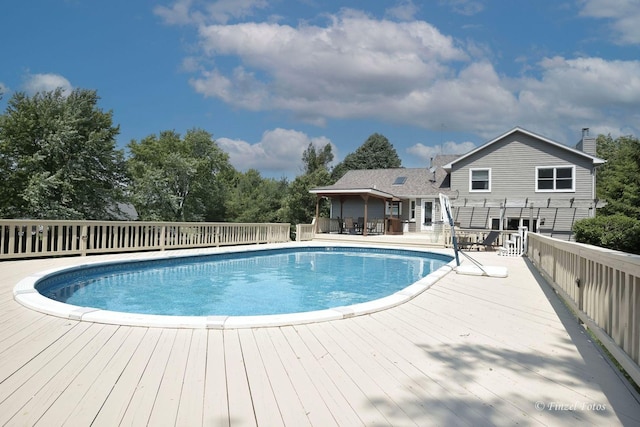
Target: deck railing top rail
[{"x": 37, "y": 238}]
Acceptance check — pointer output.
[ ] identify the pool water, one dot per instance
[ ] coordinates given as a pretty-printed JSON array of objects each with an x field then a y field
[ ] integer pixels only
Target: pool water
[{"x": 256, "y": 283}]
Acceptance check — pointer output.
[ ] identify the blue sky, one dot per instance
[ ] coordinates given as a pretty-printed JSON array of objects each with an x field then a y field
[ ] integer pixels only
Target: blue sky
[{"x": 267, "y": 77}]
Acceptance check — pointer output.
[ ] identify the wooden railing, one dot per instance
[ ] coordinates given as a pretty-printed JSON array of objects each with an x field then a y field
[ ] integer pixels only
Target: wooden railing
[
  {"x": 37, "y": 238},
  {"x": 304, "y": 232},
  {"x": 601, "y": 286}
]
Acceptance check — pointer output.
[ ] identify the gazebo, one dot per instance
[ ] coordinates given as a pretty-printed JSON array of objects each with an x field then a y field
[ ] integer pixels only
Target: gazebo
[{"x": 366, "y": 194}]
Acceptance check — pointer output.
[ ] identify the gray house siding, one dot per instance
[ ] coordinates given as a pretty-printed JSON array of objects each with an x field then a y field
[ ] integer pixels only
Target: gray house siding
[{"x": 512, "y": 162}]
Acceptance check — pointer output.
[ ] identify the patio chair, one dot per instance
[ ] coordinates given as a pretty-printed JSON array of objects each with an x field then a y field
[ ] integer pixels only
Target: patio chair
[
  {"x": 349, "y": 225},
  {"x": 375, "y": 226},
  {"x": 488, "y": 242}
]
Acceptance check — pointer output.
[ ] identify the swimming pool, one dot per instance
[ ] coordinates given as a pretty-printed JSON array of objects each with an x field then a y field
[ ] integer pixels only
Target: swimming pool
[{"x": 236, "y": 287}]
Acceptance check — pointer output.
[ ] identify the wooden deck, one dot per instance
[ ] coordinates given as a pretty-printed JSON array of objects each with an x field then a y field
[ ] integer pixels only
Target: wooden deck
[{"x": 468, "y": 351}]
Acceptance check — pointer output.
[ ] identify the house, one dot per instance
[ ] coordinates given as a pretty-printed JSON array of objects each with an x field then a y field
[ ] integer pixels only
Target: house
[
  {"x": 408, "y": 195},
  {"x": 517, "y": 179}
]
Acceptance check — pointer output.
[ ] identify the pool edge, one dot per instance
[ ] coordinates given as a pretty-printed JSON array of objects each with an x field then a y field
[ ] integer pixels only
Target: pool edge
[{"x": 26, "y": 294}]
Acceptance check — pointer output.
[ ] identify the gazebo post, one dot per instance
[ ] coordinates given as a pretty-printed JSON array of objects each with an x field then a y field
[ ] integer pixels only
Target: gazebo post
[
  {"x": 384, "y": 209},
  {"x": 366, "y": 206},
  {"x": 315, "y": 229}
]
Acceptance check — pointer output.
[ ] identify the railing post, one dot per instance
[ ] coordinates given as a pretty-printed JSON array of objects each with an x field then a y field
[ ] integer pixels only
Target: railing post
[
  {"x": 83, "y": 240},
  {"x": 163, "y": 236}
]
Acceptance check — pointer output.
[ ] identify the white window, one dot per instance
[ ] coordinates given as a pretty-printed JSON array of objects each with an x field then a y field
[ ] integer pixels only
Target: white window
[
  {"x": 480, "y": 180},
  {"x": 412, "y": 210},
  {"x": 514, "y": 223},
  {"x": 555, "y": 178},
  {"x": 394, "y": 209}
]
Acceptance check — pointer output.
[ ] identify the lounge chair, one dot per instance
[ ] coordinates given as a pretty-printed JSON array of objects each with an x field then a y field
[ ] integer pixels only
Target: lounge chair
[{"x": 488, "y": 242}]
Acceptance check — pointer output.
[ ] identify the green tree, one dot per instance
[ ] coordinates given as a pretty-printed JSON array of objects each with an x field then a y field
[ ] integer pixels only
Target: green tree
[
  {"x": 178, "y": 179},
  {"x": 375, "y": 153},
  {"x": 618, "y": 180},
  {"x": 617, "y": 232},
  {"x": 252, "y": 198},
  {"x": 315, "y": 159},
  {"x": 300, "y": 205},
  {"x": 58, "y": 158}
]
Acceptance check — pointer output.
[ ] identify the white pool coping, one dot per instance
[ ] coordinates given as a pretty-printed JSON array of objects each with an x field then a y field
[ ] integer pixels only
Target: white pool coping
[{"x": 26, "y": 294}]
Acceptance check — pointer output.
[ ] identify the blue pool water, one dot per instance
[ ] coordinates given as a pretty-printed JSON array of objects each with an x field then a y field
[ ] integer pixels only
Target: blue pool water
[{"x": 275, "y": 281}]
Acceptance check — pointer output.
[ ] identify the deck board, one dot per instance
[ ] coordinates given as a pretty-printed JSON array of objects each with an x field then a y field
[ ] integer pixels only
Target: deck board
[
  {"x": 192, "y": 397},
  {"x": 290, "y": 404},
  {"x": 144, "y": 397},
  {"x": 415, "y": 370},
  {"x": 317, "y": 411},
  {"x": 267, "y": 409},
  {"x": 469, "y": 351},
  {"x": 19, "y": 370},
  {"x": 126, "y": 382},
  {"x": 216, "y": 400},
  {"x": 349, "y": 390},
  {"x": 241, "y": 410},
  {"x": 341, "y": 411},
  {"x": 51, "y": 382},
  {"x": 75, "y": 393},
  {"x": 167, "y": 402},
  {"x": 105, "y": 381},
  {"x": 354, "y": 364}
]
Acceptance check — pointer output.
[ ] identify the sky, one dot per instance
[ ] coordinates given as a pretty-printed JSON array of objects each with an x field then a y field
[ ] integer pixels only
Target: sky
[{"x": 268, "y": 77}]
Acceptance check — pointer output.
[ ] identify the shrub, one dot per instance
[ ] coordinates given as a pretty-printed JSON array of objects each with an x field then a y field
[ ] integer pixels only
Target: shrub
[{"x": 617, "y": 232}]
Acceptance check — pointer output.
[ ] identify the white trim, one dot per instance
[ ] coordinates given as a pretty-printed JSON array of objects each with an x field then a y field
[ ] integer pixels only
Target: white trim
[
  {"x": 424, "y": 226},
  {"x": 555, "y": 179},
  {"x": 471, "y": 171},
  {"x": 388, "y": 208},
  {"x": 354, "y": 191}
]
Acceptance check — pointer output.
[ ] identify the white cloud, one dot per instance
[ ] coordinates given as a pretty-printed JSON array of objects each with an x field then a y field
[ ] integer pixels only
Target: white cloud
[
  {"x": 583, "y": 92},
  {"x": 407, "y": 73},
  {"x": 405, "y": 10},
  {"x": 425, "y": 152},
  {"x": 346, "y": 69},
  {"x": 279, "y": 150},
  {"x": 240, "y": 89},
  {"x": 178, "y": 14},
  {"x": 624, "y": 16},
  {"x": 200, "y": 12},
  {"x": 46, "y": 82},
  {"x": 224, "y": 10},
  {"x": 464, "y": 7},
  {"x": 3, "y": 89}
]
